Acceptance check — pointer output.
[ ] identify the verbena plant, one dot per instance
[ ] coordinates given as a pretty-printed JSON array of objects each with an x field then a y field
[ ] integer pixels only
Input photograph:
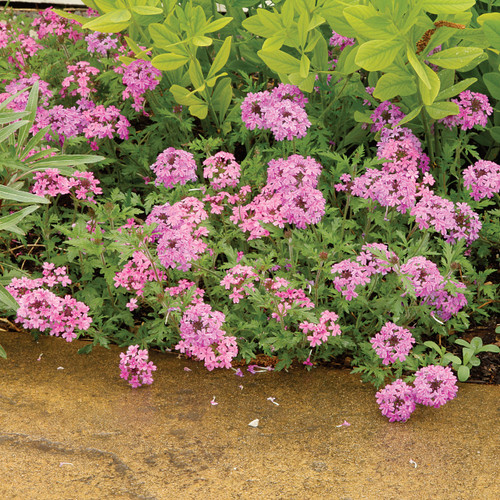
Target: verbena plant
[{"x": 267, "y": 204}]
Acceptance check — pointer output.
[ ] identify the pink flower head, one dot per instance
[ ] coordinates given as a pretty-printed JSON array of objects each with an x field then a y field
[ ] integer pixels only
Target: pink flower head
[
  {"x": 253, "y": 110},
  {"x": 240, "y": 280},
  {"x": 386, "y": 114},
  {"x": 474, "y": 109},
  {"x": 483, "y": 178},
  {"x": 396, "y": 401},
  {"x": 349, "y": 275},
  {"x": 135, "y": 367},
  {"x": 340, "y": 41},
  {"x": 203, "y": 337},
  {"x": 222, "y": 170},
  {"x": 285, "y": 91},
  {"x": 392, "y": 343},
  {"x": 174, "y": 166},
  {"x": 321, "y": 331},
  {"x": 435, "y": 385}
]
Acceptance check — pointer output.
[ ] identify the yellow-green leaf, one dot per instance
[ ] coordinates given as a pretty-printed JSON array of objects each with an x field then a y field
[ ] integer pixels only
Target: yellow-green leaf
[
  {"x": 439, "y": 110},
  {"x": 221, "y": 58},
  {"x": 217, "y": 25},
  {"x": 279, "y": 61},
  {"x": 418, "y": 67},
  {"x": 456, "y": 57},
  {"x": 169, "y": 62},
  {"x": 392, "y": 84},
  {"x": 147, "y": 10},
  {"x": 446, "y": 6},
  {"x": 429, "y": 94},
  {"x": 201, "y": 41},
  {"x": 199, "y": 110},
  {"x": 305, "y": 64},
  {"x": 112, "y": 22},
  {"x": 377, "y": 55}
]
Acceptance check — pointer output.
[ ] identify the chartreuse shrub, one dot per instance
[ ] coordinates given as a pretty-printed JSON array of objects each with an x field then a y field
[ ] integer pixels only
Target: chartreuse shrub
[{"x": 305, "y": 180}]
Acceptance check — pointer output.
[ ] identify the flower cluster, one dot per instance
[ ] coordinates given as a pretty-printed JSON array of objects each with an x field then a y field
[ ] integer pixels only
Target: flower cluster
[
  {"x": 290, "y": 196},
  {"x": 203, "y": 337},
  {"x": 82, "y": 185},
  {"x": 20, "y": 47},
  {"x": 240, "y": 279},
  {"x": 281, "y": 110},
  {"x": 392, "y": 342},
  {"x": 483, "y": 178},
  {"x": 136, "y": 273},
  {"x": 178, "y": 232},
  {"x": 48, "y": 23},
  {"x": 174, "y": 166},
  {"x": 135, "y": 366},
  {"x": 348, "y": 276},
  {"x": 41, "y": 309},
  {"x": 138, "y": 77},
  {"x": 101, "y": 43},
  {"x": 322, "y": 330},
  {"x": 434, "y": 385},
  {"x": 80, "y": 74},
  {"x": 340, "y": 41},
  {"x": 386, "y": 114},
  {"x": 222, "y": 170},
  {"x": 474, "y": 109}
]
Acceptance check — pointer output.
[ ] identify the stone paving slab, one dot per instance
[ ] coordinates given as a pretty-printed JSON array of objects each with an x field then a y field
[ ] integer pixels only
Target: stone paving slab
[{"x": 81, "y": 432}]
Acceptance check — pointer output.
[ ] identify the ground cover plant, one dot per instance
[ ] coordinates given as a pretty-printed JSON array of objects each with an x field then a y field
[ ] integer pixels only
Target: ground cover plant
[{"x": 306, "y": 180}]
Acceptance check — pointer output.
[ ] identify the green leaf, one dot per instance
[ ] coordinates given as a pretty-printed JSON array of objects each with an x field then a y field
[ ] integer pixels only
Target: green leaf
[
  {"x": 418, "y": 66},
  {"x": 201, "y": 41},
  {"x": 7, "y": 131},
  {"x": 162, "y": 36},
  {"x": 8, "y": 193},
  {"x": 492, "y": 82},
  {"x": 184, "y": 96},
  {"x": 455, "y": 89},
  {"x": 377, "y": 55},
  {"x": 11, "y": 116},
  {"x": 217, "y": 25},
  {"x": 495, "y": 133},
  {"x": 305, "y": 64},
  {"x": 446, "y": 6},
  {"x": 439, "y": 110},
  {"x": 112, "y": 22},
  {"x": 280, "y": 62},
  {"x": 3, "y": 354},
  {"x": 147, "y": 10},
  {"x": 463, "y": 373},
  {"x": 429, "y": 94},
  {"x": 7, "y": 299},
  {"x": 433, "y": 345},
  {"x": 199, "y": 110},
  {"x": 490, "y": 348},
  {"x": 169, "y": 62},
  {"x": 221, "y": 58},
  {"x": 222, "y": 96},
  {"x": 409, "y": 117},
  {"x": 303, "y": 29},
  {"x": 392, "y": 84},
  {"x": 9, "y": 222},
  {"x": 455, "y": 58},
  {"x": 367, "y": 22},
  {"x": 491, "y": 27},
  {"x": 65, "y": 160}
]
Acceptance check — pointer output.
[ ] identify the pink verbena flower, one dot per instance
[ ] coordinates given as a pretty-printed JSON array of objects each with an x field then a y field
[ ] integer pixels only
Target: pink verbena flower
[
  {"x": 138, "y": 77},
  {"x": 483, "y": 178},
  {"x": 403, "y": 152},
  {"x": 340, "y": 41},
  {"x": 135, "y": 366},
  {"x": 136, "y": 273},
  {"x": 222, "y": 170},
  {"x": 386, "y": 114},
  {"x": 396, "y": 401},
  {"x": 287, "y": 120},
  {"x": 474, "y": 109},
  {"x": 85, "y": 186},
  {"x": 349, "y": 276},
  {"x": 48, "y": 23},
  {"x": 253, "y": 110},
  {"x": 423, "y": 275},
  {"x": 296, "y": 171},
  {"x": 322, "y": 330},
  {"x": 81, "y": 75},
  {"x": 203, "y": 337},
  {"x": 392, "y": 342},
  {"x": 101, "y": 43},
  {"x": 240, "y": 279},
  {"x": 51, "y": 183},
  {"x": 435, "y": 385},
  {"x": 174, "y": 166},
  {"x": 285, "y": 91},
  {"x": 291, "y": 297},
  {"x": 374, "y": 264}
]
